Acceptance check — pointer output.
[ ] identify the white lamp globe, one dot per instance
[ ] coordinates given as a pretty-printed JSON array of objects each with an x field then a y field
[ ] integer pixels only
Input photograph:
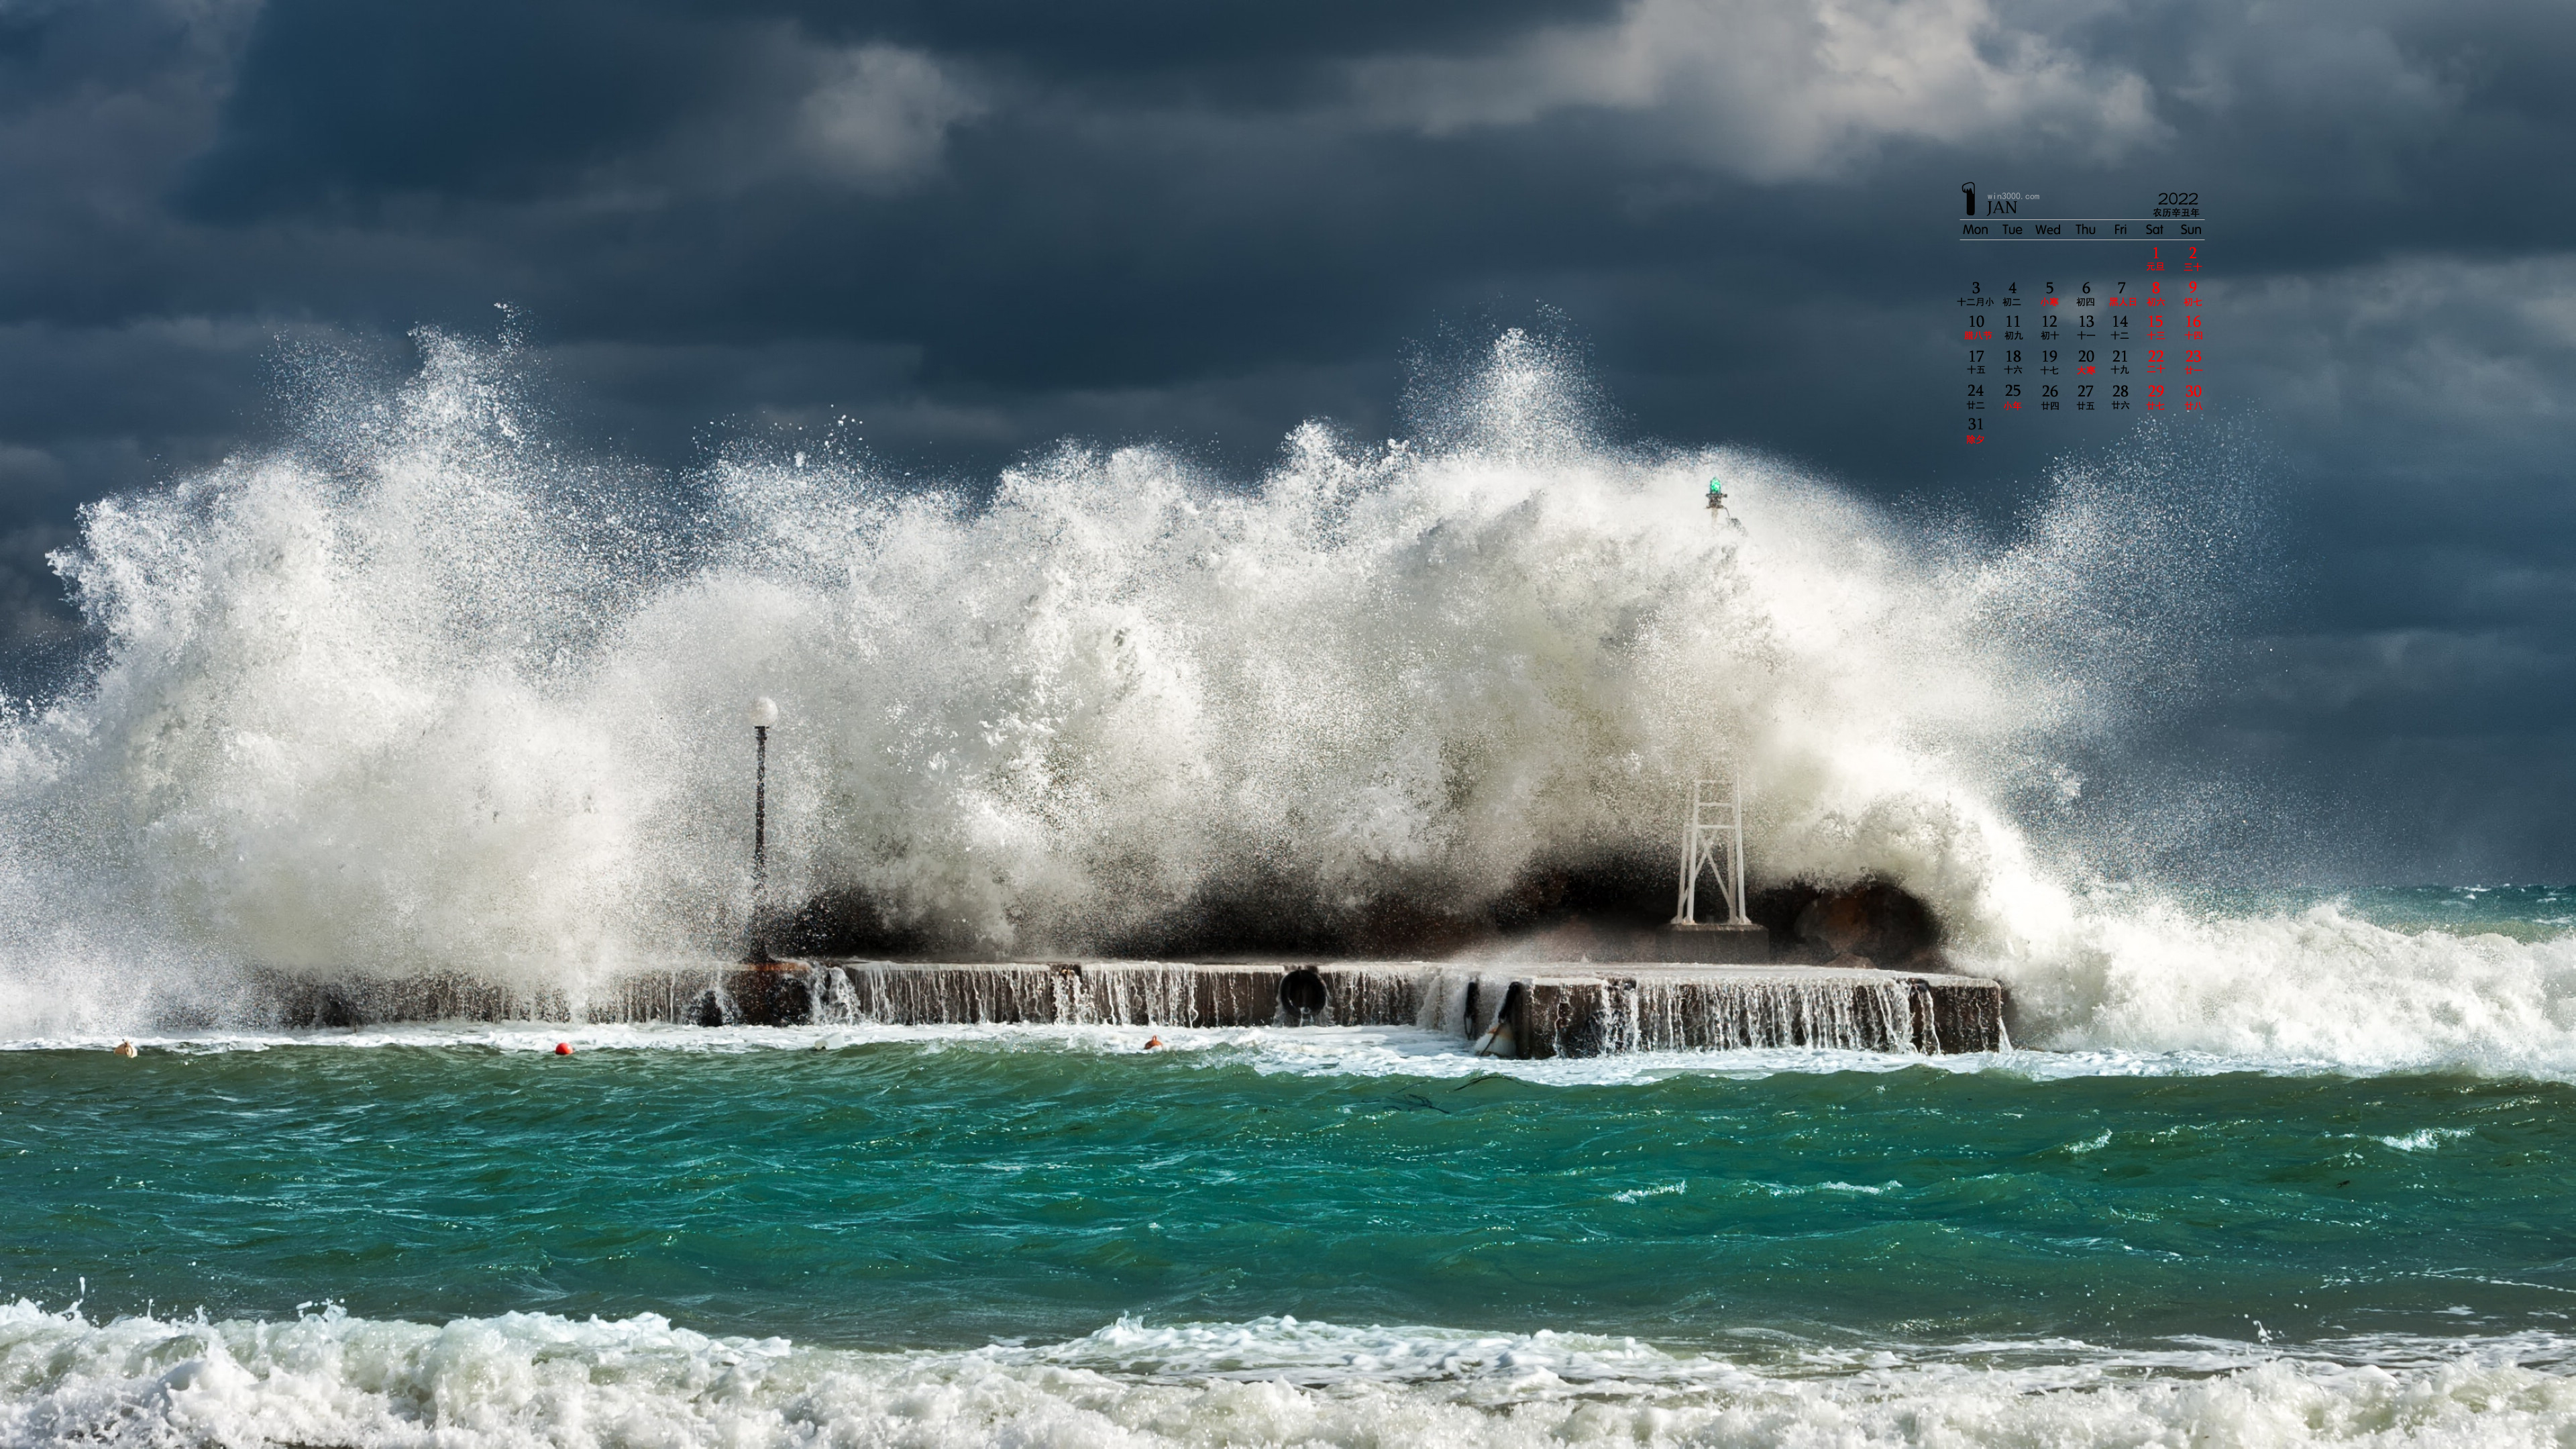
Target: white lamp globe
[{"x": 764, "y": 711}]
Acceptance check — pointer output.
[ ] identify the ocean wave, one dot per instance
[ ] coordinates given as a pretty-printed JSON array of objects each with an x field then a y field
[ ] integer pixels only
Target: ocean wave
[
  {"x": 2320, "y": 985},
  {"x": 532, "y": 1379},
  {"x": 413, "y": 696}
]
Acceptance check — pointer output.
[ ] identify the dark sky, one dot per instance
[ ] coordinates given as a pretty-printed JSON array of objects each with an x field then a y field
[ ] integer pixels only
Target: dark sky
[{"x": 982, "y": 225}]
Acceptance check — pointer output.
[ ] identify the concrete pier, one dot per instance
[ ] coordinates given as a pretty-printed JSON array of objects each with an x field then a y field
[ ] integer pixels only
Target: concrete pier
[
  {"x": 1720, "y": 1008},
  {"x": 1514, "y": 1009},
  {"x": 1721, "y": 943}
]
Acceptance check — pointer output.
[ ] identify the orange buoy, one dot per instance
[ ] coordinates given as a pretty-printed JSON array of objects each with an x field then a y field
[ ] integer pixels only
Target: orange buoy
[
  {"x": 1152, "y": 1042},
  {"x": 125, "y": 1048},
  {"x": 563, "y": 1048}
]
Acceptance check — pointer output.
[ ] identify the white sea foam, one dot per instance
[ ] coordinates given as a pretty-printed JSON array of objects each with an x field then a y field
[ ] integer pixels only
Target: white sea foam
[
  {"x": 417, "y": 696},
  {"x": 2317, "y": 987},
  {"x": 1389, "y": 1052},
  {"x": 2424, "y": 1139},
  {"x": 531, "y": 1379}
]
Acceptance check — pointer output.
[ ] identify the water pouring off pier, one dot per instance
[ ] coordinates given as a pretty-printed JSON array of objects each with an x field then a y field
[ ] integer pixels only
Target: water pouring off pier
[
  {"x": 1523, "y": 1010},
  {"x": 1715, "y": 992}
]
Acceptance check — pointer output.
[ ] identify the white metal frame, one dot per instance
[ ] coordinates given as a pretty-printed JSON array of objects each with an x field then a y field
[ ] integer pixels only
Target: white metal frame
[{"x": 1713, "y": 840}]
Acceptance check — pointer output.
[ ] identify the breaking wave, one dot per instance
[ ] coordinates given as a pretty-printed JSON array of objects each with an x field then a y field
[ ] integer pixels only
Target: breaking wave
[
  {"x": 534, "y": 1379},
  {"x": 423, "y": 693}
]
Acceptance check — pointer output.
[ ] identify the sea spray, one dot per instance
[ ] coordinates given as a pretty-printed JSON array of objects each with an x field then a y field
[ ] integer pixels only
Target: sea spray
[
  {"x": 419, "y": 695},
  {"x": 418, "y": 708}
]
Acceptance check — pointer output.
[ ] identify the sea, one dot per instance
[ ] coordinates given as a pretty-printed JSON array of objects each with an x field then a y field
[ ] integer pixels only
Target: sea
[{"x": 427, "y": 691}]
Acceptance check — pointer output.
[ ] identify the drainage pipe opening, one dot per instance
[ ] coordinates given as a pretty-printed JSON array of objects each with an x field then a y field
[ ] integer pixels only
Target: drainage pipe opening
[{"x": 1302, "y": 995}]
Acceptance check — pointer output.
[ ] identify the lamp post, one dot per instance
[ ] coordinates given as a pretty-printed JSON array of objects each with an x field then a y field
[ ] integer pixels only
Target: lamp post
[{"x": 764, "y": 713}]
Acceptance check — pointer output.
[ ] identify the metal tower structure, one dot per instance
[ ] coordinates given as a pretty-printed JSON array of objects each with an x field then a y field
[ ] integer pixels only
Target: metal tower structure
[{"x": 1713, "y": 841}]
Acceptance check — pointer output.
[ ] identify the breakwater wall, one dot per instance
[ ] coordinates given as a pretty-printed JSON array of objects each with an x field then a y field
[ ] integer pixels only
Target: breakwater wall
[{"x": 1517, "y": 1009}]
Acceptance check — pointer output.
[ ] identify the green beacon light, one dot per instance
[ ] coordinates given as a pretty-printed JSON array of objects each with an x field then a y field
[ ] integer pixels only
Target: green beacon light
[{"x": 1716, "y": 493}]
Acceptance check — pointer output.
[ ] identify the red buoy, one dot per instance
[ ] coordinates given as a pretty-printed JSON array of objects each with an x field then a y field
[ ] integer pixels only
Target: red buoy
[{"x": 563, "y": 1048}]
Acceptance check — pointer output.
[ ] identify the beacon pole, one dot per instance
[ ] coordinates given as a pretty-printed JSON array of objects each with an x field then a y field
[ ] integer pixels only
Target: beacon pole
[{"x": 764, "y": 713}]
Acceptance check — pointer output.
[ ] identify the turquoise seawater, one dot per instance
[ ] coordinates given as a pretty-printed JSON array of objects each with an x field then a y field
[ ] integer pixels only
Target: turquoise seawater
[
  {"x": 862, "y": 1236},
  {"x": 2516, "y": 912},
  {"x": 947, "y": 1194},
  {"x": 2136, "y": 1234}
]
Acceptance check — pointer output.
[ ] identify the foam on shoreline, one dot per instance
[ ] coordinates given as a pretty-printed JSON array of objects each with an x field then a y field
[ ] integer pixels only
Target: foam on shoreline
[{"x": 524, "y": 1379}]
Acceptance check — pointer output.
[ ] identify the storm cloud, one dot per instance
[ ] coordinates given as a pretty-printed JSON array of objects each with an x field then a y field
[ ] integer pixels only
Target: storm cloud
[{"x": 980, "y": 227}]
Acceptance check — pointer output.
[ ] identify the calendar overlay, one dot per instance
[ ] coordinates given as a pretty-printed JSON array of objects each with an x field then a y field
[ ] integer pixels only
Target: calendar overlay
[{"x": 2081, "y": 314}]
